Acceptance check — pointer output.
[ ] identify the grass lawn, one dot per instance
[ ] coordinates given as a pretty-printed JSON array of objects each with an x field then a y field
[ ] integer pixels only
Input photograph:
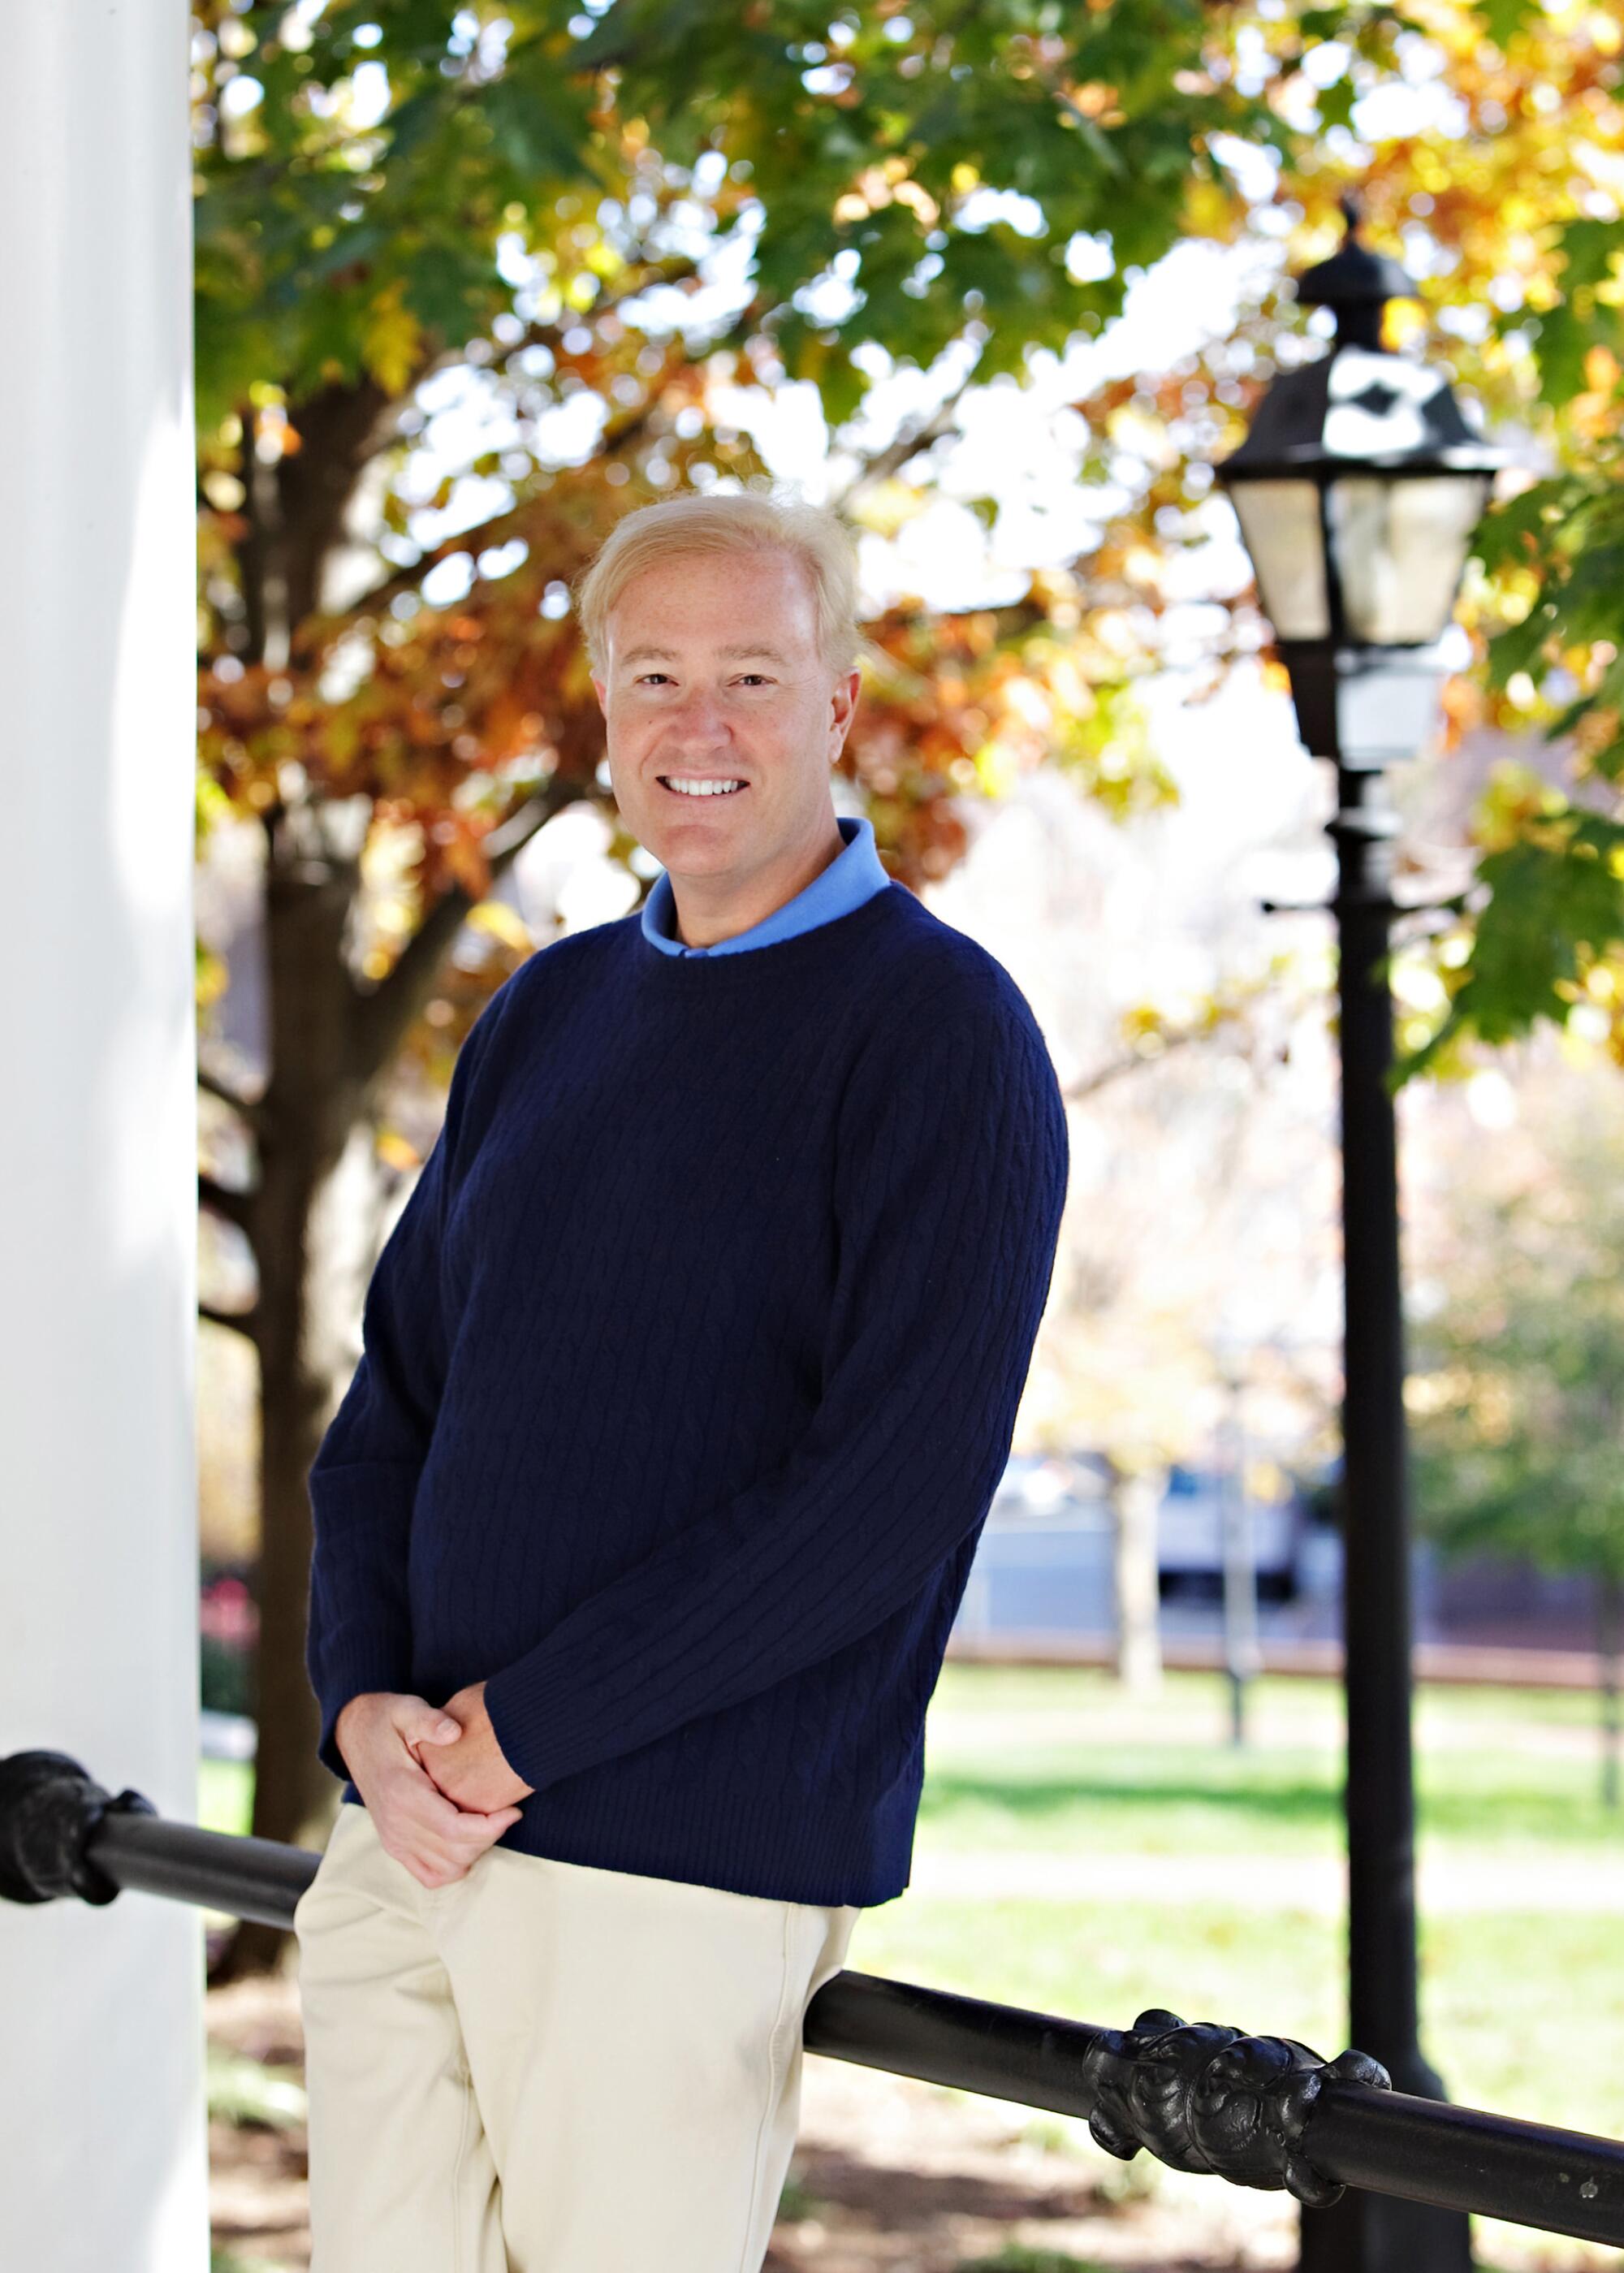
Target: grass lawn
[
  {"x": 1043, "y": 1761},
  {"x": 1046, "y": 1763},
  {"x": 1057, "y": 1759}
]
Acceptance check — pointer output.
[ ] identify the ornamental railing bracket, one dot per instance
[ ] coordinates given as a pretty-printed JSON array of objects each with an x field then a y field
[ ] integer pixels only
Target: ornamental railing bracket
[{"x": 1202, "y": 2097}]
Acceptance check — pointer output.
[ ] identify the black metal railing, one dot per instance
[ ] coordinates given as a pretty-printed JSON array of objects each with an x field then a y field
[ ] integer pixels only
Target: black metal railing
[{"x": 1258, "y": 2111}]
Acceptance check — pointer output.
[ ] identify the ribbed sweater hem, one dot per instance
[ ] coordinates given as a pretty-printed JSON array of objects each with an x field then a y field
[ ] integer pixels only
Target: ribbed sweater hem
[{"x": 859, "y": 1857}]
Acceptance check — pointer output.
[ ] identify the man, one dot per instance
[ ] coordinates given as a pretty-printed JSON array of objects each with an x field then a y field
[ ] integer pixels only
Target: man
[{"x": 689, "y": 1371}]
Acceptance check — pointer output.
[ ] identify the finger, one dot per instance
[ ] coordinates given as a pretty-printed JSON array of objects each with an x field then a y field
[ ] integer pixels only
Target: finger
[
  {"x": 480, "y": 1832},
  {"x": 432, "y": 1812},
  {"x": 428, "y": 1862},
  {"x": 466, "y": 1809},
  {"x": 496, "y": 1820},
  {"x": 436, "y": 1729},
  {"x": 421, "y": 1722},
  {"x": 425, "y": 1768}
]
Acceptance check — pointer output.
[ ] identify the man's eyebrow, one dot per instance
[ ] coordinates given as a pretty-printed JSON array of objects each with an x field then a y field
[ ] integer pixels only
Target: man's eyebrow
[{"x": 734, "y": 654}]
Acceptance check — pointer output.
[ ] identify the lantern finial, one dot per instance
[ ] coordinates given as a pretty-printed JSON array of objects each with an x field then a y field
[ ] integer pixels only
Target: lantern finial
[{"x": 1355, "y": 283}]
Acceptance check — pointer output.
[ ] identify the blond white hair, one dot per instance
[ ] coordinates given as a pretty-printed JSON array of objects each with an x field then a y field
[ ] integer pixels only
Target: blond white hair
[{"x": 737, "y": 522}]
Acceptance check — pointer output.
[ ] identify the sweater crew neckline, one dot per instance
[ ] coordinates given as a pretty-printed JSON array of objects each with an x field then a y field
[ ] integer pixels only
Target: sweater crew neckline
[{"x": 708, "y": 971}]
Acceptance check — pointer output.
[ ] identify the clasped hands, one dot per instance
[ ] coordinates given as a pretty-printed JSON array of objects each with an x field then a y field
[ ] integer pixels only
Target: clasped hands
[
  {"x": 433, "y": 1778},
  {"x": 471, "y": 1769}
]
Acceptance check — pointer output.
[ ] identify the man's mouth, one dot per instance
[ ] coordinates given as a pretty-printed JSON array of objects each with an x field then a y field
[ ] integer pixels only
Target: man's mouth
[{"x": 697, "y": 785}]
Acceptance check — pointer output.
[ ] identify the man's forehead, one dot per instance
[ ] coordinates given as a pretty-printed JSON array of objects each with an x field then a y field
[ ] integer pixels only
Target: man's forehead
[{"x": 734, "y": 607}]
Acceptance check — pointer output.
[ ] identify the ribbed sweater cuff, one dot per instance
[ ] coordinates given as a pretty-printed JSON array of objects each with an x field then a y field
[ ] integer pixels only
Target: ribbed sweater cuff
[{"x": 531, "y": 1718}]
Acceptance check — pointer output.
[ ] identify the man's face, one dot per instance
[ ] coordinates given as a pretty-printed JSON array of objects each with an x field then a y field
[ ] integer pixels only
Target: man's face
[{"x": 713, "y": 674}]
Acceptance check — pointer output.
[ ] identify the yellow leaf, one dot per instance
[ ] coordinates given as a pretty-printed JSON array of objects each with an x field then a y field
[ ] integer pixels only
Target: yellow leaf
[
  {"x": 503, "y": 923},
  {"x": 1209, "y": 210},
  {"x": 1402, "y": 321},
  {"x": 395, "y": 1151},
  {"x": 390, "y": 343}
]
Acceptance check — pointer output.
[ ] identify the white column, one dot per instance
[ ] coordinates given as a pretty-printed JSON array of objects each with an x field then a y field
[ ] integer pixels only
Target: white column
[{"x": 102, "y": 2136}]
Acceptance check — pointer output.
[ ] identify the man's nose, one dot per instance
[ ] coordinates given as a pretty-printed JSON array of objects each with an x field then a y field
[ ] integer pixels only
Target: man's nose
[{"x": 701, "y": 716}]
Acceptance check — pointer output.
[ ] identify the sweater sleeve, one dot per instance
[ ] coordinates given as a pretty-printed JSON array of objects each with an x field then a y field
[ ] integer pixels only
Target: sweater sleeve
[
  {"x": 364, "y": 1476},
  {"x": 950, "y": 1176}
]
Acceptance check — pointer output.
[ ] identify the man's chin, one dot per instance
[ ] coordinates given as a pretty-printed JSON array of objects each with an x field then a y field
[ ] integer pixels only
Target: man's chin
[{"x": 695, "y": 853}]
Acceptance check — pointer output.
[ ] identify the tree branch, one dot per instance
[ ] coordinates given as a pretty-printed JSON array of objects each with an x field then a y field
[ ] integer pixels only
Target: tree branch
[
  {"x": 1090, "y": 1084},
  {"x": 905, "y": 446},
  {"x": 497, "y": 531},
  {"x": 678, "y": 268},
  {"x": 220, "y": 1199},
  {"x": 212, "y": 1086},
  {"x": 383, "y": 1017}
]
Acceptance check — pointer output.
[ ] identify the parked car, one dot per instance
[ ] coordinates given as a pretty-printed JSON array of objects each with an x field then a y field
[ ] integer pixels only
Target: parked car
[
  {"x": 1043, "y": 1562},
  {"x": 1055, "y": 1488},
  {"x": 1190, "y": 1532}
]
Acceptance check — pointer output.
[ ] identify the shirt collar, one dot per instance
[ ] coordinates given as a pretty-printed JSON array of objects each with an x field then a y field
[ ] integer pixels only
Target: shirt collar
[{"x": 851, "y": 878}]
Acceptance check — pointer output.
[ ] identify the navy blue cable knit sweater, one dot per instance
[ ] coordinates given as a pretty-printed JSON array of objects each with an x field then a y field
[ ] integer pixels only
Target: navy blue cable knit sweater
[{"x": 689, "y": 1370}]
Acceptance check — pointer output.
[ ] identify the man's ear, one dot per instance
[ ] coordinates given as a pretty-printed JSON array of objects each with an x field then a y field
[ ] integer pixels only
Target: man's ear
[
  {"x": 842, "y": 706},
  {"x": 600, "y": 688}
]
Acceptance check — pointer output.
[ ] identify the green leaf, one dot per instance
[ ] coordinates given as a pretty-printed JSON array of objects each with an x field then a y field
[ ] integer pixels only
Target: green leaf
[
  {"x": 1590, "y": 248},
  {"x": 1503, "y": 19},
  {"x": 1550, "y": 895},
  {"x": 532, "y": 135}
]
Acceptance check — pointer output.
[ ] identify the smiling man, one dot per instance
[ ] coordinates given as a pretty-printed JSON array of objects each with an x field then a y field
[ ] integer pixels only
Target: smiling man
[{"x": 689, "y": 1371}]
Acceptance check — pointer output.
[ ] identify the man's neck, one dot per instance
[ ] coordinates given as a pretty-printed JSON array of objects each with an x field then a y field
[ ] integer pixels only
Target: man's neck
[{"x": 708, "y": 909}]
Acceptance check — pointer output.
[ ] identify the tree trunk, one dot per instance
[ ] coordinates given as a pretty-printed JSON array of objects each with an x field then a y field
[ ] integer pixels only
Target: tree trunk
[
  {"x": 313, "y": 1222},
  {"x": 1136, "y": 1499}
]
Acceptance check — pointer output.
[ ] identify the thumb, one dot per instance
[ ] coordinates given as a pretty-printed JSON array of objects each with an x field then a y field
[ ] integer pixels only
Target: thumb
[{"x": 434, "y": 1727}]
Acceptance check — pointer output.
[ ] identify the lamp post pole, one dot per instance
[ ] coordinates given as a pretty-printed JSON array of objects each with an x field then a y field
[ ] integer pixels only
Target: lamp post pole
[
  {"x": 1357, "y": 490},
  {"x": 1373, "y": 2233},
  {"x": 1376, "y": 1607}
]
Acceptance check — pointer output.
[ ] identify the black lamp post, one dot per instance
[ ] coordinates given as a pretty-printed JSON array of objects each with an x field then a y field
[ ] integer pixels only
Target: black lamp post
[{"x": 1357, "y": 490}]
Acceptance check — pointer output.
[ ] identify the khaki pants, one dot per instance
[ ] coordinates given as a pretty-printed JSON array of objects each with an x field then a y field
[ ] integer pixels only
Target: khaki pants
[{"x": 546, "y": 2069}]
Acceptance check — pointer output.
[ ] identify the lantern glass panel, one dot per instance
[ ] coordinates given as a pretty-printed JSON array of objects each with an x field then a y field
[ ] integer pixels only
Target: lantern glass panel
[
  {"x": 1280, "y": 522},
  {"x": 1399, "y": 545}
]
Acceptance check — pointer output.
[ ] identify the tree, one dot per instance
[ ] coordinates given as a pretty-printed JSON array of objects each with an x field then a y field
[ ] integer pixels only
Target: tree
[
  {"x": 539, "y": 212},
  {"x": 1514, "y": 183},
  {"x": 1517, "y": 1387}
]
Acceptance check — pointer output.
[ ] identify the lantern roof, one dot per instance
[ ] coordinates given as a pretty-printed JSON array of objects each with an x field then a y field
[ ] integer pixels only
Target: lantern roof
[{"x": 1359, "y": 406}]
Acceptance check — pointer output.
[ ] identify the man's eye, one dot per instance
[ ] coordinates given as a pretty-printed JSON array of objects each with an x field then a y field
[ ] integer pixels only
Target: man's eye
[
  {"x": 759, "y": 678},
  {"x": 649, "y": 677}
]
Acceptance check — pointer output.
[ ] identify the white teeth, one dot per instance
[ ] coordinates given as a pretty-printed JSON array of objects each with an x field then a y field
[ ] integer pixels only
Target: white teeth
[{"x": 701, "y": 788}]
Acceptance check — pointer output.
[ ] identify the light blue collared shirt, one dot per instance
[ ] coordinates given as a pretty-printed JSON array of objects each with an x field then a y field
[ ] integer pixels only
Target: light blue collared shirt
[{"x": 851, "y": 877}]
